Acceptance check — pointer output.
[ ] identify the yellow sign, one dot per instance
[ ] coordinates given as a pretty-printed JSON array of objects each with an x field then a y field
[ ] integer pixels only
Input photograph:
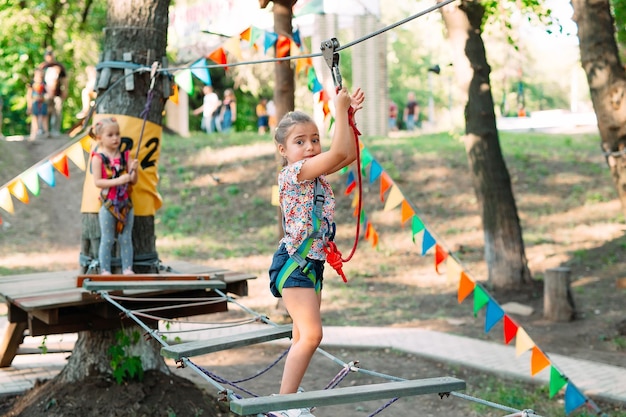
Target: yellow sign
[{"x": 145, "y": 197}]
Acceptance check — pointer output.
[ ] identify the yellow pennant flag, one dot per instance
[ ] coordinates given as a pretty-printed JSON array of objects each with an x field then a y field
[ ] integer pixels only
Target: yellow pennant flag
[
  {"x": 77, "y": 155},
  {"x": 394, "y": 198},
  {"x": 86, "y": 142},
  {"x": 233, "y": 45},
  {"x": 523, "y": 342},
  {"x": 6, "y": 202},
  {"x": 18, "y": 190},
  {"x": 453, "y": 269}
]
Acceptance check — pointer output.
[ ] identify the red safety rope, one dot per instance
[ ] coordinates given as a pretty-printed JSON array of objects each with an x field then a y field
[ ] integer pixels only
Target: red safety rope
[{"x": 333, "y": 255}]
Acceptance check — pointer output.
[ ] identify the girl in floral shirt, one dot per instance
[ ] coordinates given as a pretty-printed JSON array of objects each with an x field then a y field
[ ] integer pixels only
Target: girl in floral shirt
[{"x": 298, "y": 141}]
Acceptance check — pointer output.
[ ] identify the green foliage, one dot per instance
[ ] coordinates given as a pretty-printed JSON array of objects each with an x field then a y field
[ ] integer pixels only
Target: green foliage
[
  {"x": 26, "y": 33},
  {"x": 125, "y": 367}
]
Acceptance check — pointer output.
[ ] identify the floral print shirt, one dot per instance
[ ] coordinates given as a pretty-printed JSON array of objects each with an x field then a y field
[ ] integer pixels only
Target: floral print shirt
[{"x": 296, "y": 202}]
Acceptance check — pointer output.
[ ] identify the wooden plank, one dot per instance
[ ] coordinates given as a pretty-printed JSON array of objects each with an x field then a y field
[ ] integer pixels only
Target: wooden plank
[
  {"x": 201, "y": 347},
  {"x": 13, "y": 337},
  {"x": 144, "y": 277},
  {"x": 152, "y": 285},
  {"x": 345, "y": 395},
  {"x": 73, "y": 297}
]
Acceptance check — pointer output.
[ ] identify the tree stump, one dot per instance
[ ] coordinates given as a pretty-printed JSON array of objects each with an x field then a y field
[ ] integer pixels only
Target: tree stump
[{"x": 558, "y": 303}]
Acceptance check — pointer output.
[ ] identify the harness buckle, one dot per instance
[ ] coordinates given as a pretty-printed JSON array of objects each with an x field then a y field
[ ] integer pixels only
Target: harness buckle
[{"x": 330, "y": 54}]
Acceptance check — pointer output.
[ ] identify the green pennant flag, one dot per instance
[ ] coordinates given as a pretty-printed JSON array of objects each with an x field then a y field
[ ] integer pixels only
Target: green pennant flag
[
  {"x": 366, "y": 158},
  {"x": 557, "y": 381},
  {"x": 416, "y": 226},
  {"x": 184, "y": 80},
  {"x": 481, "y": 299}
]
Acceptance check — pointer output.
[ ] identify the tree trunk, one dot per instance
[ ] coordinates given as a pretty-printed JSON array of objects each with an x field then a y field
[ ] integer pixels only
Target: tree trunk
[
  {"x": 607, "y": 83},
  {"x": 136, "y": 32},
  {"x": 504, "y": 247},
  {"x": 558, "y": 302},
  {"x": 284, "y": 90}
]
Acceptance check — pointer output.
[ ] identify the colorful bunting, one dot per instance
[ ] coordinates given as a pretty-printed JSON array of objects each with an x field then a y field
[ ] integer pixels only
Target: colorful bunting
[
  {"x": 296, "y": 37},
  {"x": 510, "y": 329},
  {"x": 46, "y": 173},
  {"x": 466, "y": 287},
  {"x": 406, "y": 212},
  {"x": 440, "y": 255},
  {"x": 283, "y": 46},
  {"x": 538, "y": 361},
  {"x": 428, "y": 241},
  {"x": 270, "y": 40},
  {"x": 77, "y": 155},
  {"x": 6, "y": 202},
  {"x": 184, "y": 80},
  {"x": 416, "y": 227},
  {"x": 573, "y": 398},
  {"x": 385, "y": 184},
  {"x": 31, "y": 181},
  {"x": 245, "y": 35},
  {"x": 18, "y": 190},
  {"x": 394, "y": 198},
  {"x": 481, "y": 298},
  {"x": 557, "y": 381},
  {"x": 312, "y": 82},
  {"x": 453, "y": 269},
  {"x": 233, "y": 46},
  {"x": 375, "y": 171},
  {"x": 218, "y": 56},
  {"x": 60, "y": 163},
  {"x": 523, "y": 342},
  {"x": 174, "y": 98},
  {"x": 493, "y": 316},
  {"x": 86, "y": 142},
  {"x": 200, "y": 70}
]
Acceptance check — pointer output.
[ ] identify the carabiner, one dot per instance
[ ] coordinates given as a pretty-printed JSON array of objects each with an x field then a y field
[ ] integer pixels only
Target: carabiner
[{"x": 330, "y": 54}]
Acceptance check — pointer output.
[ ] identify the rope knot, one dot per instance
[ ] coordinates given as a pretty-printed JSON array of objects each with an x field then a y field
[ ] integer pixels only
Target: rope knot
[{"x": 333, "y": 257}]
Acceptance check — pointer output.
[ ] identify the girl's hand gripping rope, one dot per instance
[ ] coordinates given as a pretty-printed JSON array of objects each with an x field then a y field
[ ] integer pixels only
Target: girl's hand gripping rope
[{"x": 333, "y": 257}]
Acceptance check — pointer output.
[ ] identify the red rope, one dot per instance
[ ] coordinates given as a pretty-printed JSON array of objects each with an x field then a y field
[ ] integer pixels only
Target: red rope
[{"x": 333, "y": 255}]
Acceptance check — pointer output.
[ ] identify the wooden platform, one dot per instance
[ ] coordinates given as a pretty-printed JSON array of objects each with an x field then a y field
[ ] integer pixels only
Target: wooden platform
[
  {"x": 354, "y": 394},
  {"x": 52, "y": 303}
]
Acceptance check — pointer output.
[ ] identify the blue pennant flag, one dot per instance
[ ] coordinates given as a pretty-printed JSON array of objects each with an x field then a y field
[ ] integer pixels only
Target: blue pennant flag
[
  {"x": 573, "y": 398},
  {"x": 46, "y": 173},
  {"x": 494, "y": 315},
  {"x": 427, "y": 242},
  {"x": 375, "y": 171},
  {"x": 200, "y": 70},
  {"x": 350, "y": 179}
]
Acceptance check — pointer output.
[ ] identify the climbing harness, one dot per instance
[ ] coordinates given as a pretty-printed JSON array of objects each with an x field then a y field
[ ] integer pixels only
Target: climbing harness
[{"x": 119, "y": 204}]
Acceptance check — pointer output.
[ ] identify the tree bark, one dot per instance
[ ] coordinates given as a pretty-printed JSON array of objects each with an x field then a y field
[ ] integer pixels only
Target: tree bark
[
  {"x": 607, "y": 83},
  {"x": 504, "y": 246},
  {"x": 138, "y": 28},
  {"x": 558, "y": 302}
]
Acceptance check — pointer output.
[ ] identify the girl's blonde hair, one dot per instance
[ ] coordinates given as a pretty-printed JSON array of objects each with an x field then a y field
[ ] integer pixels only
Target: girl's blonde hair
[
  {"x": 288, "y": 121},
  {"x": 96, "y": 129}
]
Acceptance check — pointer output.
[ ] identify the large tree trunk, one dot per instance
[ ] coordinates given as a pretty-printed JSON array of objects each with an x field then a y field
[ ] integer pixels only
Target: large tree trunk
[
  {"x": 285, "y": 81},
  {"x": 504, "y": 247},
  {"x": 137, "y": 31},
  {"x": 607, "y": 83}
]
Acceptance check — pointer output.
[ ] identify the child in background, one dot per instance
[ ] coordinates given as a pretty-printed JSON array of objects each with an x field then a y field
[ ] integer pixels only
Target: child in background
[
  {"x": 114, "y": 173},
  {"x": 36, "y": 105},
  {"x": 298, "y": 141}
]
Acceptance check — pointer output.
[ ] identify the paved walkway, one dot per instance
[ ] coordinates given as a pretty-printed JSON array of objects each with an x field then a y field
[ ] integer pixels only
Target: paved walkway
[{"x": 597, "y": 380}]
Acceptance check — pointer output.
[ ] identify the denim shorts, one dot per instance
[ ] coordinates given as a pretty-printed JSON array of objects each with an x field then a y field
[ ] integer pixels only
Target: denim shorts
[{"x": 297, "y": 277}]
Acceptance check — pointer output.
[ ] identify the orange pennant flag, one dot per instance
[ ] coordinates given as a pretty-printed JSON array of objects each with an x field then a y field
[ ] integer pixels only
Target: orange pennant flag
[
  {"x": 303, "y": 64},
  {"x": 60, "y": 163},
  {"x": 385, "y": 183},
  {"x": 174, "y": 98},
  {"x": 538, "y": 361},
  {"x": 522, "y": 342},
  {"x": 18, "y": 189},
  {"x": 218, "y": 56},
  {"x": 440, "y": 255},
  {"x": 245, "y": 35},
  {"x": 406, "y": 212},
  {"x": 368, "y": 230},
  {"x": 374, "y": 238},
  {"x": 466, "y": 286}
]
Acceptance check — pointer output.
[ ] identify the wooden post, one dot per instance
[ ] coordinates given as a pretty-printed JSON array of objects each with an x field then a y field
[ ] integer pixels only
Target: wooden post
[{"x": 558, "y": 303}]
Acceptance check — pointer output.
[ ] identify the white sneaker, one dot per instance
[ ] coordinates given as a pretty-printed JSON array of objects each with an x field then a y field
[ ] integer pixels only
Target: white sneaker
[{"x": 296, "y": 412}]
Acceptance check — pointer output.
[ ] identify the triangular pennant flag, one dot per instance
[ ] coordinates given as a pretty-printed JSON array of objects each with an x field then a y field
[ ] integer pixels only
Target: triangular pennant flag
[
  {"x": 416, "y": 227},
  {"x": 428, "y": 241},
  {"x": 218, "y": 56},
  {"x": 573, "y": 398},
  {"x": 510, "y": 329},
  {"x": 385, "y": 184},
  {"x": 283, "y": 46},
  {"x": 184, "y": 80},
  {"x": 440, "y": 255},
  {"x": 494, "y": 315},
  {"x": 351, "y": 178},
  {"x": 18, "y": 190},
  {"x": 255, "y": 34},
  {"x": 350, "y": 187},
  {"x": 60, "y": 163},
  {"x": 453, "y": 269},
  {"x": 374, "y": 237},
  {"x": 200, "y": 70},
  {"x": 394, "y": 198},
  {"x": 481, "y": 298},
  {"x": 466, "y": 286},
  {"x": 174, "y": 98},
  {"x": 406, "y": 212},
  {"x": 6, "y": 202},
  {"x": 245, "y": 35},
  {"x": 302, "y": 63},
  {"x": 522, "y": 342},
  {"x": 76, "y": 155},
  {"x": 312, "y": 83},
  {"x": 538, "y": 361},
  {"x": 366, "y": 158},
  {"x": 296, "y": 37},
  {"x": 375, "y": 171},
  {"x": 86, "y": 142},
  {"x": 46, "y": 173},
  {"x": 557, "y": 381},
  {"x": 270, "y": 40},
  {"x": 368, "y": 230},
  {"x": 233, "y": 47},
  {"x": 31, "y": 180}
]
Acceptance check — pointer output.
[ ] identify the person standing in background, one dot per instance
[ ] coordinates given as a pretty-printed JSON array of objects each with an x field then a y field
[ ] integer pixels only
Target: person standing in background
[
  {"x": 228, "y": 110},
  {"x": 411, "y": 112},
  {"x": 36, "y": 105},
  {"x": 210, "y": 104},
  {"x": 55, "y": 77},
  {"x": 271, "y": 114},
  {"x": 393, "y": 116},
  {"x": 262, "y": 116}
]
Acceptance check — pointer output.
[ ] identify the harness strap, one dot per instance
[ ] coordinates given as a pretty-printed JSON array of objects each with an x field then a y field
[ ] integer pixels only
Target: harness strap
[{"x": 298, "y": 259}]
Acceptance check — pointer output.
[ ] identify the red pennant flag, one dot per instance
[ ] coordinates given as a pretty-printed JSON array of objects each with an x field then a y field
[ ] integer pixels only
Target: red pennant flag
[
  {"x": 385, "y": 184},
  {"x": 368, "y": 230},
  {"x": 351, "y": 187},
  {"x": 510, "y": 329},
  {"x": 283, "y": 46},
  {"x": 440, "y": 256},
  {"x": 218, "y": 56},
  {"x": 466, "y": 286},
  {"x": 60, "y": 163}
]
